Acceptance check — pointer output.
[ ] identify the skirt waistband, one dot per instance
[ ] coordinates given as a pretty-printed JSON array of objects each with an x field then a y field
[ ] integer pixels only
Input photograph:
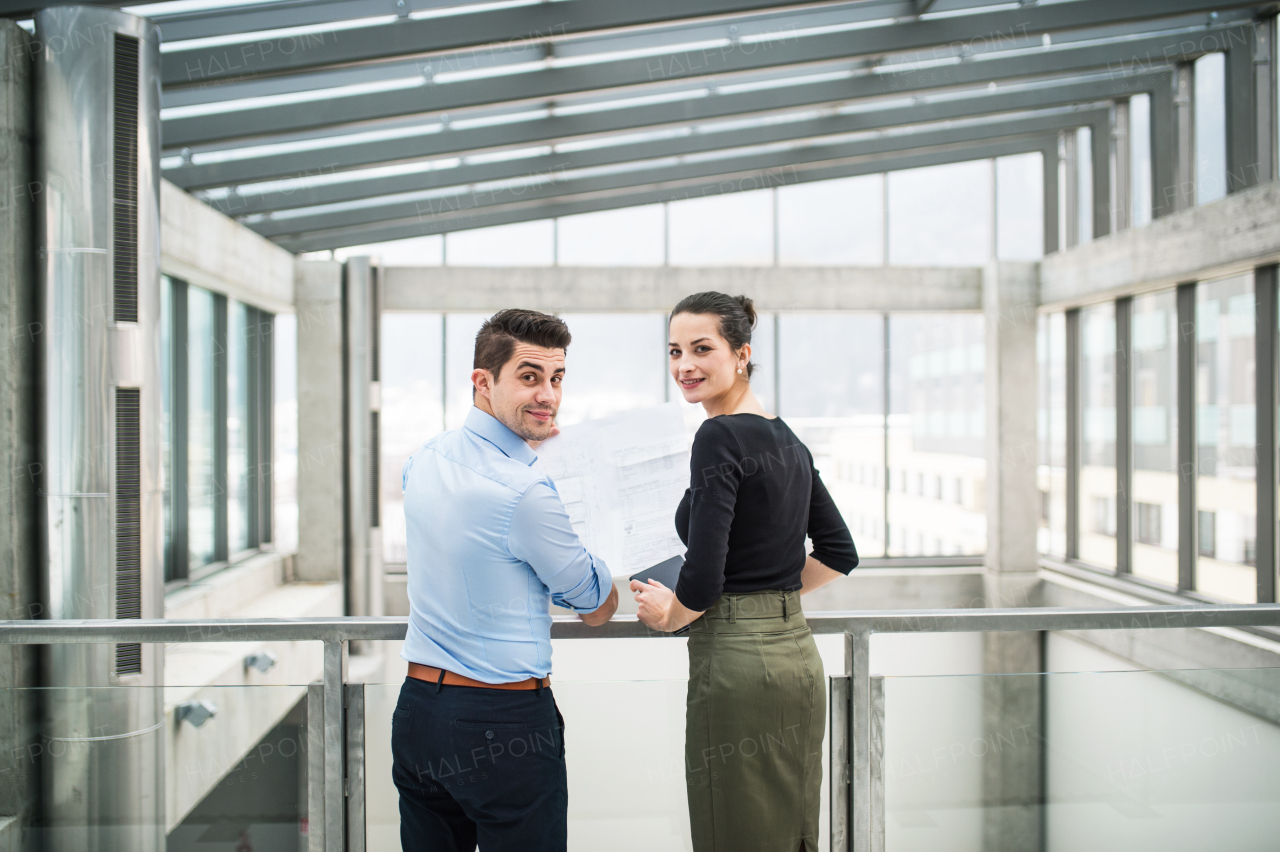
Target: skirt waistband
[{"x": 749, "y": 612}]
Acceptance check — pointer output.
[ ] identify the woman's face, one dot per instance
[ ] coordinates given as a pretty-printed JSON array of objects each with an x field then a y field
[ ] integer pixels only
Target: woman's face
[{"x": 702, "y": 363}]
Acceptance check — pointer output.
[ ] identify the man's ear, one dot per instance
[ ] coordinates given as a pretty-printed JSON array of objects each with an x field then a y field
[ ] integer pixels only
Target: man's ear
[{"x": 483, "y": 383}]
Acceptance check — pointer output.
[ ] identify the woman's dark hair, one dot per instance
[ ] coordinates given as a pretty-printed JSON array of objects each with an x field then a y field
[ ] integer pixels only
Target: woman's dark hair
[
  {"x": 737, "y": 316},
  {"x": 497, "y": 338}
]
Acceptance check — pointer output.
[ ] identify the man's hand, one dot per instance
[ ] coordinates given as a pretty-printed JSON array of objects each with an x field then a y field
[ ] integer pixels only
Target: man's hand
[{"x": 604, "y": 612}]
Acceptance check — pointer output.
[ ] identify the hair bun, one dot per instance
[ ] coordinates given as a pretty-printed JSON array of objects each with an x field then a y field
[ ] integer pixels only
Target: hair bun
[{"x": 747, "y": 307}]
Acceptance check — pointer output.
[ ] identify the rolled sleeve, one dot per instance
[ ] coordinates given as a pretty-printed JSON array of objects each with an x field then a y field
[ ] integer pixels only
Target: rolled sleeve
[{"x": 540, "y": 534}]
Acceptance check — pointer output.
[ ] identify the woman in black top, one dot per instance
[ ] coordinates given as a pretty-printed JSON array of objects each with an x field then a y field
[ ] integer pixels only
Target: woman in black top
[{"x": 757, "y": 700}]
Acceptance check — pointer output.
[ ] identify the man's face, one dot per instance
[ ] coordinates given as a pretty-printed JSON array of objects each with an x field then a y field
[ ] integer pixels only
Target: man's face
[{"x": 526, "y": 395}]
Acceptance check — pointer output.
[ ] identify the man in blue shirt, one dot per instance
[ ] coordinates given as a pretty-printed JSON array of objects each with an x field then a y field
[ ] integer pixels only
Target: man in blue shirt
[{"x": 477, "y": 741}]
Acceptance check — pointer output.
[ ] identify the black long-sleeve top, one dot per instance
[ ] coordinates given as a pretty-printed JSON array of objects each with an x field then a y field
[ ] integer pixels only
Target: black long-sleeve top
[{"x": 754, "y": 494}]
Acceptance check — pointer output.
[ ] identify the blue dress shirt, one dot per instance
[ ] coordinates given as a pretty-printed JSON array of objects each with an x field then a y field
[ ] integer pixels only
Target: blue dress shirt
[{"x": 490, "y": 545}]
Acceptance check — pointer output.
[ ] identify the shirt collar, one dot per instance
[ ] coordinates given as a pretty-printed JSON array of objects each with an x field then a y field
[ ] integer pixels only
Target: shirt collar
[{"x": 496, "y": 432}]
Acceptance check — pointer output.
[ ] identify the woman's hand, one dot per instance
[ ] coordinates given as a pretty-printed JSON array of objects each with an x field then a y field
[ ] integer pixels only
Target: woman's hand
[{"x": 659, "y": 609}]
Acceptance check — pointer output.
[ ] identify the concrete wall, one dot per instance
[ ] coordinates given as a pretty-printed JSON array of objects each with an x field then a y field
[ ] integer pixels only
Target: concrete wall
[
  {"x": 203, "y": 247},
  {"x": 1231, "y": 235},
  {"x": 552, "y": 289},
  {"x": 19, "y": 577}
]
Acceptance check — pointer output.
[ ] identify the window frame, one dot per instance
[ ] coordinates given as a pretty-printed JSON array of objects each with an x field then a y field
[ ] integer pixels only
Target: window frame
[
  {"x": 259, "y": 361},
  {"x": 1189, "y": 514}
]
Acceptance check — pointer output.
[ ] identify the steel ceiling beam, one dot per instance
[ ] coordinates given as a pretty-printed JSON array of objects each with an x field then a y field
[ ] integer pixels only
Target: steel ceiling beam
[
  {"x": 1135, "y": 55},
  {"x": 499, "y": 60},
  {"x": 786, "y": 49},
  {"x": 419, "y": 37},
  {"x": 1047, "y": 144},
  {"x": 750, "y": 162},
  {"x": 246, "y": 202}
]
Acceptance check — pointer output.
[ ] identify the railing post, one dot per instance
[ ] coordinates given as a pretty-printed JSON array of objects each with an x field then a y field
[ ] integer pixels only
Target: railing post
[
  {"x": 355, "y": 767},
  {"x": 840, "y": 770},
  {"x": 857, "y": 647},
  {"x": 334, "y": 757},
  {"x": 876, "y": 759},
  {"x": 315, "y": 767}
]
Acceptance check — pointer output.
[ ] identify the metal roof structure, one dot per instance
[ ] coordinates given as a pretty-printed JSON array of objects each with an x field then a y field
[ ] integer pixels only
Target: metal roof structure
[{"x": 328, "y": 123}]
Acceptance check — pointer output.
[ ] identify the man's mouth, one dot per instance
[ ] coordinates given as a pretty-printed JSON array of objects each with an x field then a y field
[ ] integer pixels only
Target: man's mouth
[{"x": 540, "y": 416}]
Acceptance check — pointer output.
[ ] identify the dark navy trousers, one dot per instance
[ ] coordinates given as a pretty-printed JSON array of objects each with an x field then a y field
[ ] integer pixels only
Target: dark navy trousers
[{"x": 479, "y": 766}]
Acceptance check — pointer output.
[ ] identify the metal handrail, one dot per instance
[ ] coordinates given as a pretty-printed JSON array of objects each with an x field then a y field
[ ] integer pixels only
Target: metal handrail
[
  {"x": 851, "y": 804},
  {"x": 344, "y": 628}
]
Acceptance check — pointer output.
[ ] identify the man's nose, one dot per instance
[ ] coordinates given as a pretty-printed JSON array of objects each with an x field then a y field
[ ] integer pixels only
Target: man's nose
[{"x": 546, "y": 392}]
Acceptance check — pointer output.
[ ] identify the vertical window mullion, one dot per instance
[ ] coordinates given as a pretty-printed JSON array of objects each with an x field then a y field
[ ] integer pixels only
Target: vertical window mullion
[
  {"x": 253, "y": 328},
  {"x": 265, "y": 470},
  {"x": 1124, "y": 435},
  {"x": 220, "y": 480},
  {"x": 180, "y": 552},
  {"x": 1073, "y": 433},
  {"x": 1265, "y": 402},
  {"x": 1188, "y": 550},
  {"x": 884, "y": 418}
]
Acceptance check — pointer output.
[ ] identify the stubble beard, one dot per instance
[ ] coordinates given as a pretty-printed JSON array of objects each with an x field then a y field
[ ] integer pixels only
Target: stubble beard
[{"x": 514, "y": 420}]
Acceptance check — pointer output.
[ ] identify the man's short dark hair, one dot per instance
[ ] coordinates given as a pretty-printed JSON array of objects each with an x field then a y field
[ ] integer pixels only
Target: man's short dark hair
[{"x": 497, "y": 338}]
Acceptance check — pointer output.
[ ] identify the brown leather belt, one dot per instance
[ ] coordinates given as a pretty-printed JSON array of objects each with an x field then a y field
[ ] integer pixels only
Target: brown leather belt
[{"x": 432, "y": 675}]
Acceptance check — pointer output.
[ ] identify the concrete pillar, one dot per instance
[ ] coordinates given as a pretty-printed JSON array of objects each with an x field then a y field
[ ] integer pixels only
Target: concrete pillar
[
  {"x": 321, "y": 472},
  {"x": 364, "y": 566},
  {"x": 1013, "y": 768},
  {"x": 19, "y": 571},
  {"x": 1010, "y": 296}
]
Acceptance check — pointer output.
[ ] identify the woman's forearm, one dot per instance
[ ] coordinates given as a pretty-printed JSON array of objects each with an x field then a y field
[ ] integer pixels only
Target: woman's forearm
[
  {"x": 816, "y": 575},
  {"x": 678, "y": 615}
]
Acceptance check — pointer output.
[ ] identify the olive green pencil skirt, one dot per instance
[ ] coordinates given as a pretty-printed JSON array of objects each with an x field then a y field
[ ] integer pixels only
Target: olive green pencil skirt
[{"x": 753, "y": 726}]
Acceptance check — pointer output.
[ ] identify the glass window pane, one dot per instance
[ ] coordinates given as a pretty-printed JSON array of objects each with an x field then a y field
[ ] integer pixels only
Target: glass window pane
[
  {"x": 237, "y": 427},
  {"x": 632, "y": 236},
  {"x": 941, "y": 215},
  {"x": 1211, "y": 127},
  {"x": 1097, "y": 510},
  {"x": 1084, "y": 183},
  {"x": 616, "y": 362},
  {"x": 1155, "y": 437},
  {"x": 1051, "y": 474},
  {"x": 166, "y": 419},
  {"x": 1140, "y": 158},
  {"x": 937, "y": 466},
  {"x": 735, "y": 229},
  {"x": 832, "y": 397},
  {"x": 460, "y": 349},
  {"x": 832, "y": 222},
  {"x": 1020, "y": 207},
  {"x": 201, "y": 486},
  {"x": 764, "y": 357},
  {"x": 522, "y": 244},
  {"x": 412, "y": 410},
  {"x": 415, "y": 251},
  {"x": 1225, "y": 432},
  {"x": 284, "y": 419}
]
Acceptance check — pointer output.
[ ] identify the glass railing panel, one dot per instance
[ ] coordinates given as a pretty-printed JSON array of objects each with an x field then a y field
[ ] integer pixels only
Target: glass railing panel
[
  {"x": 1114, "y": 760},
  {"x": 182, "y": 769},
  {"x": 624, "y": 749}
]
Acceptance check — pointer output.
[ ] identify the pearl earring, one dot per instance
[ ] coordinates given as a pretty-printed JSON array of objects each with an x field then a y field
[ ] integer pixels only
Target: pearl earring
[{"x": 739, "y": 369}]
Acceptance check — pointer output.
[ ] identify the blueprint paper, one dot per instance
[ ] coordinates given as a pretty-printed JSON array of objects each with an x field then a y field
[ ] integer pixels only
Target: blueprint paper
[{"x": 621, "y": 478}]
